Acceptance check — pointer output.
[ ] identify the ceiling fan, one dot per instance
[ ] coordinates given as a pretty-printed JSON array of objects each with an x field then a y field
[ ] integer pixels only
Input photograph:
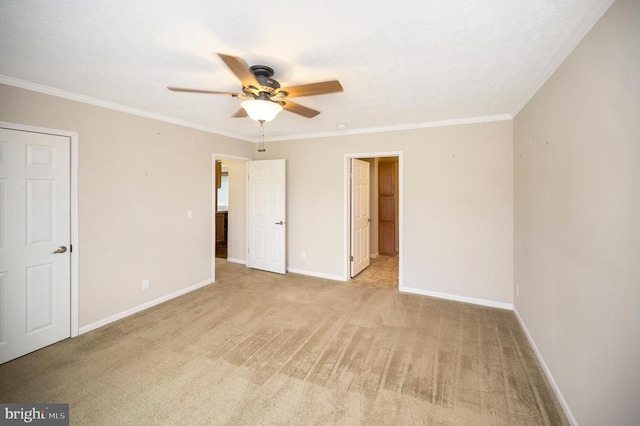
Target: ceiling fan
[{"x": 263, "y": 95}]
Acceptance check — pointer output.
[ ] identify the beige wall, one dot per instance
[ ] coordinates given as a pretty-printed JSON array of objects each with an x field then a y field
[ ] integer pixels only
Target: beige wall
[
  {"x": 137, "y": 179},
  {"x": 458, "y": 205},
  {"x": 577, "y": 221}
]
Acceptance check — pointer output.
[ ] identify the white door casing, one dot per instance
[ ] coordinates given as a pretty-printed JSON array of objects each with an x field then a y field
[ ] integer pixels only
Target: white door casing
[
  {"x": 266, "y": 215},
  {"x": 35, "y": 212},
  {"x": 360, "y": 216}
]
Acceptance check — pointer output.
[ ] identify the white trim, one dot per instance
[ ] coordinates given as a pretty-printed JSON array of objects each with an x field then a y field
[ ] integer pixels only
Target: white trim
[
  {"x": 232, "y": 157},
  {"x": 572, "y": 42},
  {"x": 75, "y": 264},
  {"x": 23, "y": 84},
  {"x": 316, "y": 274},
  {"x": 146, "y": 305},
  {"x": 347, "y": 191},
  {"x": 397, "y": 127},
  {"x": 214, "y": 209},
  {"x": 454, "y": 297},
  {"x": 240, "y": 261},
  {"x": 73, "y": 194},
  {"x": 10, "y": 81},
  {"x": 554, "y": 385}
]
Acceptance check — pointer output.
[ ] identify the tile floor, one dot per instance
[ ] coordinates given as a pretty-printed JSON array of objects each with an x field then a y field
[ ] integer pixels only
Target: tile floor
[{"x": 382, "y": 272}]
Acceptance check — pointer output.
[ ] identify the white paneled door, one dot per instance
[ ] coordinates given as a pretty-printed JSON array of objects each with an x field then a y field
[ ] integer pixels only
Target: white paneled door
[
  {"x": 266, "y": 215},
  {"x": 360, "y": 216},
  {"x": 35, "y": 263}
]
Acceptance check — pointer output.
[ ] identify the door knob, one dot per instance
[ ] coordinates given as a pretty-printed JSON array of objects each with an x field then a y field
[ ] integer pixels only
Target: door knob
[
  {"x": 60, "y": 249},
  {"x": 280, "y": 223}
]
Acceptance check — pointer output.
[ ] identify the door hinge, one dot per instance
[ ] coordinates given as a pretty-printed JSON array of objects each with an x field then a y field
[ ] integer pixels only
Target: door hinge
[{"x": 352, "y": 258}]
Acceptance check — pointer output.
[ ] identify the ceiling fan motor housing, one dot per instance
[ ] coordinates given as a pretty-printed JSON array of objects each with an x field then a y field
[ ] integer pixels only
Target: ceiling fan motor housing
[{"x": 263, "y": 74}]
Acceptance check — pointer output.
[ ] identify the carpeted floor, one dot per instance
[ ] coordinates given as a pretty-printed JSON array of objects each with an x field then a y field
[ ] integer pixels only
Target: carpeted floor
[{"x": 261, "y": 348}]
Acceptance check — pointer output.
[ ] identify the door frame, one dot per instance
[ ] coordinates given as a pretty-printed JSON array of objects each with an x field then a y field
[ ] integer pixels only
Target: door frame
[
  {"x": 73, "y": 196},
  {"x": 218, "y": 156},
  {"x": 347, "y": 203}
]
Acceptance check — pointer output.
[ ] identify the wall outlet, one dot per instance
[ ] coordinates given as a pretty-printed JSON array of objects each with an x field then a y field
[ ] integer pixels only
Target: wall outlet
[
  {"x": 189, "y": 214},
  {"x": 145, "y": 284},
  {"x": 517, "y": 291},
  {"x": 303, "y": 255}
]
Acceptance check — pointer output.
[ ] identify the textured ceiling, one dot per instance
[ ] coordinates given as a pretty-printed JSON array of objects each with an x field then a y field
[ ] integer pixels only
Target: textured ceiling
[{"x": 403, "y": 63}]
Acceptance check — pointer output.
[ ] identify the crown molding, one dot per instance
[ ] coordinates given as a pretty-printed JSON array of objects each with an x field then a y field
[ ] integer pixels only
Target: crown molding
[
  {"x": 396, "y": 128},
  {"x": 10, "y": 81},
  {"x": 34, "y": 87}
]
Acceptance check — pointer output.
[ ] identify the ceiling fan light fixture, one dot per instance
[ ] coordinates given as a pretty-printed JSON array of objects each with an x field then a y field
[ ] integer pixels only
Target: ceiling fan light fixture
[
  {"x": 261, "y": 110},
  {"x": 265, "y": 97}
]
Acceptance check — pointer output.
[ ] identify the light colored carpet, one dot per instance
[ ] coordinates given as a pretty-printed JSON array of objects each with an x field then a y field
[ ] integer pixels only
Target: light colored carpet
[{"x": 261, "y": 348}]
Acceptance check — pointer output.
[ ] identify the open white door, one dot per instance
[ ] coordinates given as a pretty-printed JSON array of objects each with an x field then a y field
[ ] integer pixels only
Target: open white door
[
  {"x": 266, "y": 215},
  {"x": 35, "y": 236},
  {"x": 360, "y": 216}
]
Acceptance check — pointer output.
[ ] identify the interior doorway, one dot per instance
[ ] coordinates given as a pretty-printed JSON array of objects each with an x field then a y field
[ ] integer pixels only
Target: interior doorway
[
  {"x": 222, "y": 208},
  {"x": 39, "y": 235},
  {"x": 230, "y": 227},
  {"x": 385, "y": 233}
]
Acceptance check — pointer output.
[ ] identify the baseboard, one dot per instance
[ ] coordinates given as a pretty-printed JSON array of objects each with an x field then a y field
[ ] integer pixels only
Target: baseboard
[
  {"x": 139, "y": 308},
  {"x": 457, "y": 298},
  {"x": 316, "y": 274},
  {"x": 240, "y": 261},
  {"x": 547, "y": 372},
  {"x": 373, "y": 255}
]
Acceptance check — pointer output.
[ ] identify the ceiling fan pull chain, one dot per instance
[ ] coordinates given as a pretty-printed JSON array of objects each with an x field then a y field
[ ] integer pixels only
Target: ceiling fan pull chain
[{"x": 261, "y": 137}]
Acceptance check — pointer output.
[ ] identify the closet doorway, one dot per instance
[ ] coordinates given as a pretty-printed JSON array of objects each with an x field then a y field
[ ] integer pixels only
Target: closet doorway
[
  {"x": 222, "y": 209},
  {"x": 385, "y": 233},
  {"x": 229, "y": 207},
  {"x": 388, "y": 205}
]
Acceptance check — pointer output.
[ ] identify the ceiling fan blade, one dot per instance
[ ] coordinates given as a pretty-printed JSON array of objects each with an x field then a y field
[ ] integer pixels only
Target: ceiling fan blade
[
  {"x": 240, "y": 113},
  {"x": 211, "y": 92},
  {"x": 313, "y": 89},
  {"x": 241, "y": 69},
  {"x": 299, "y": 109}
]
